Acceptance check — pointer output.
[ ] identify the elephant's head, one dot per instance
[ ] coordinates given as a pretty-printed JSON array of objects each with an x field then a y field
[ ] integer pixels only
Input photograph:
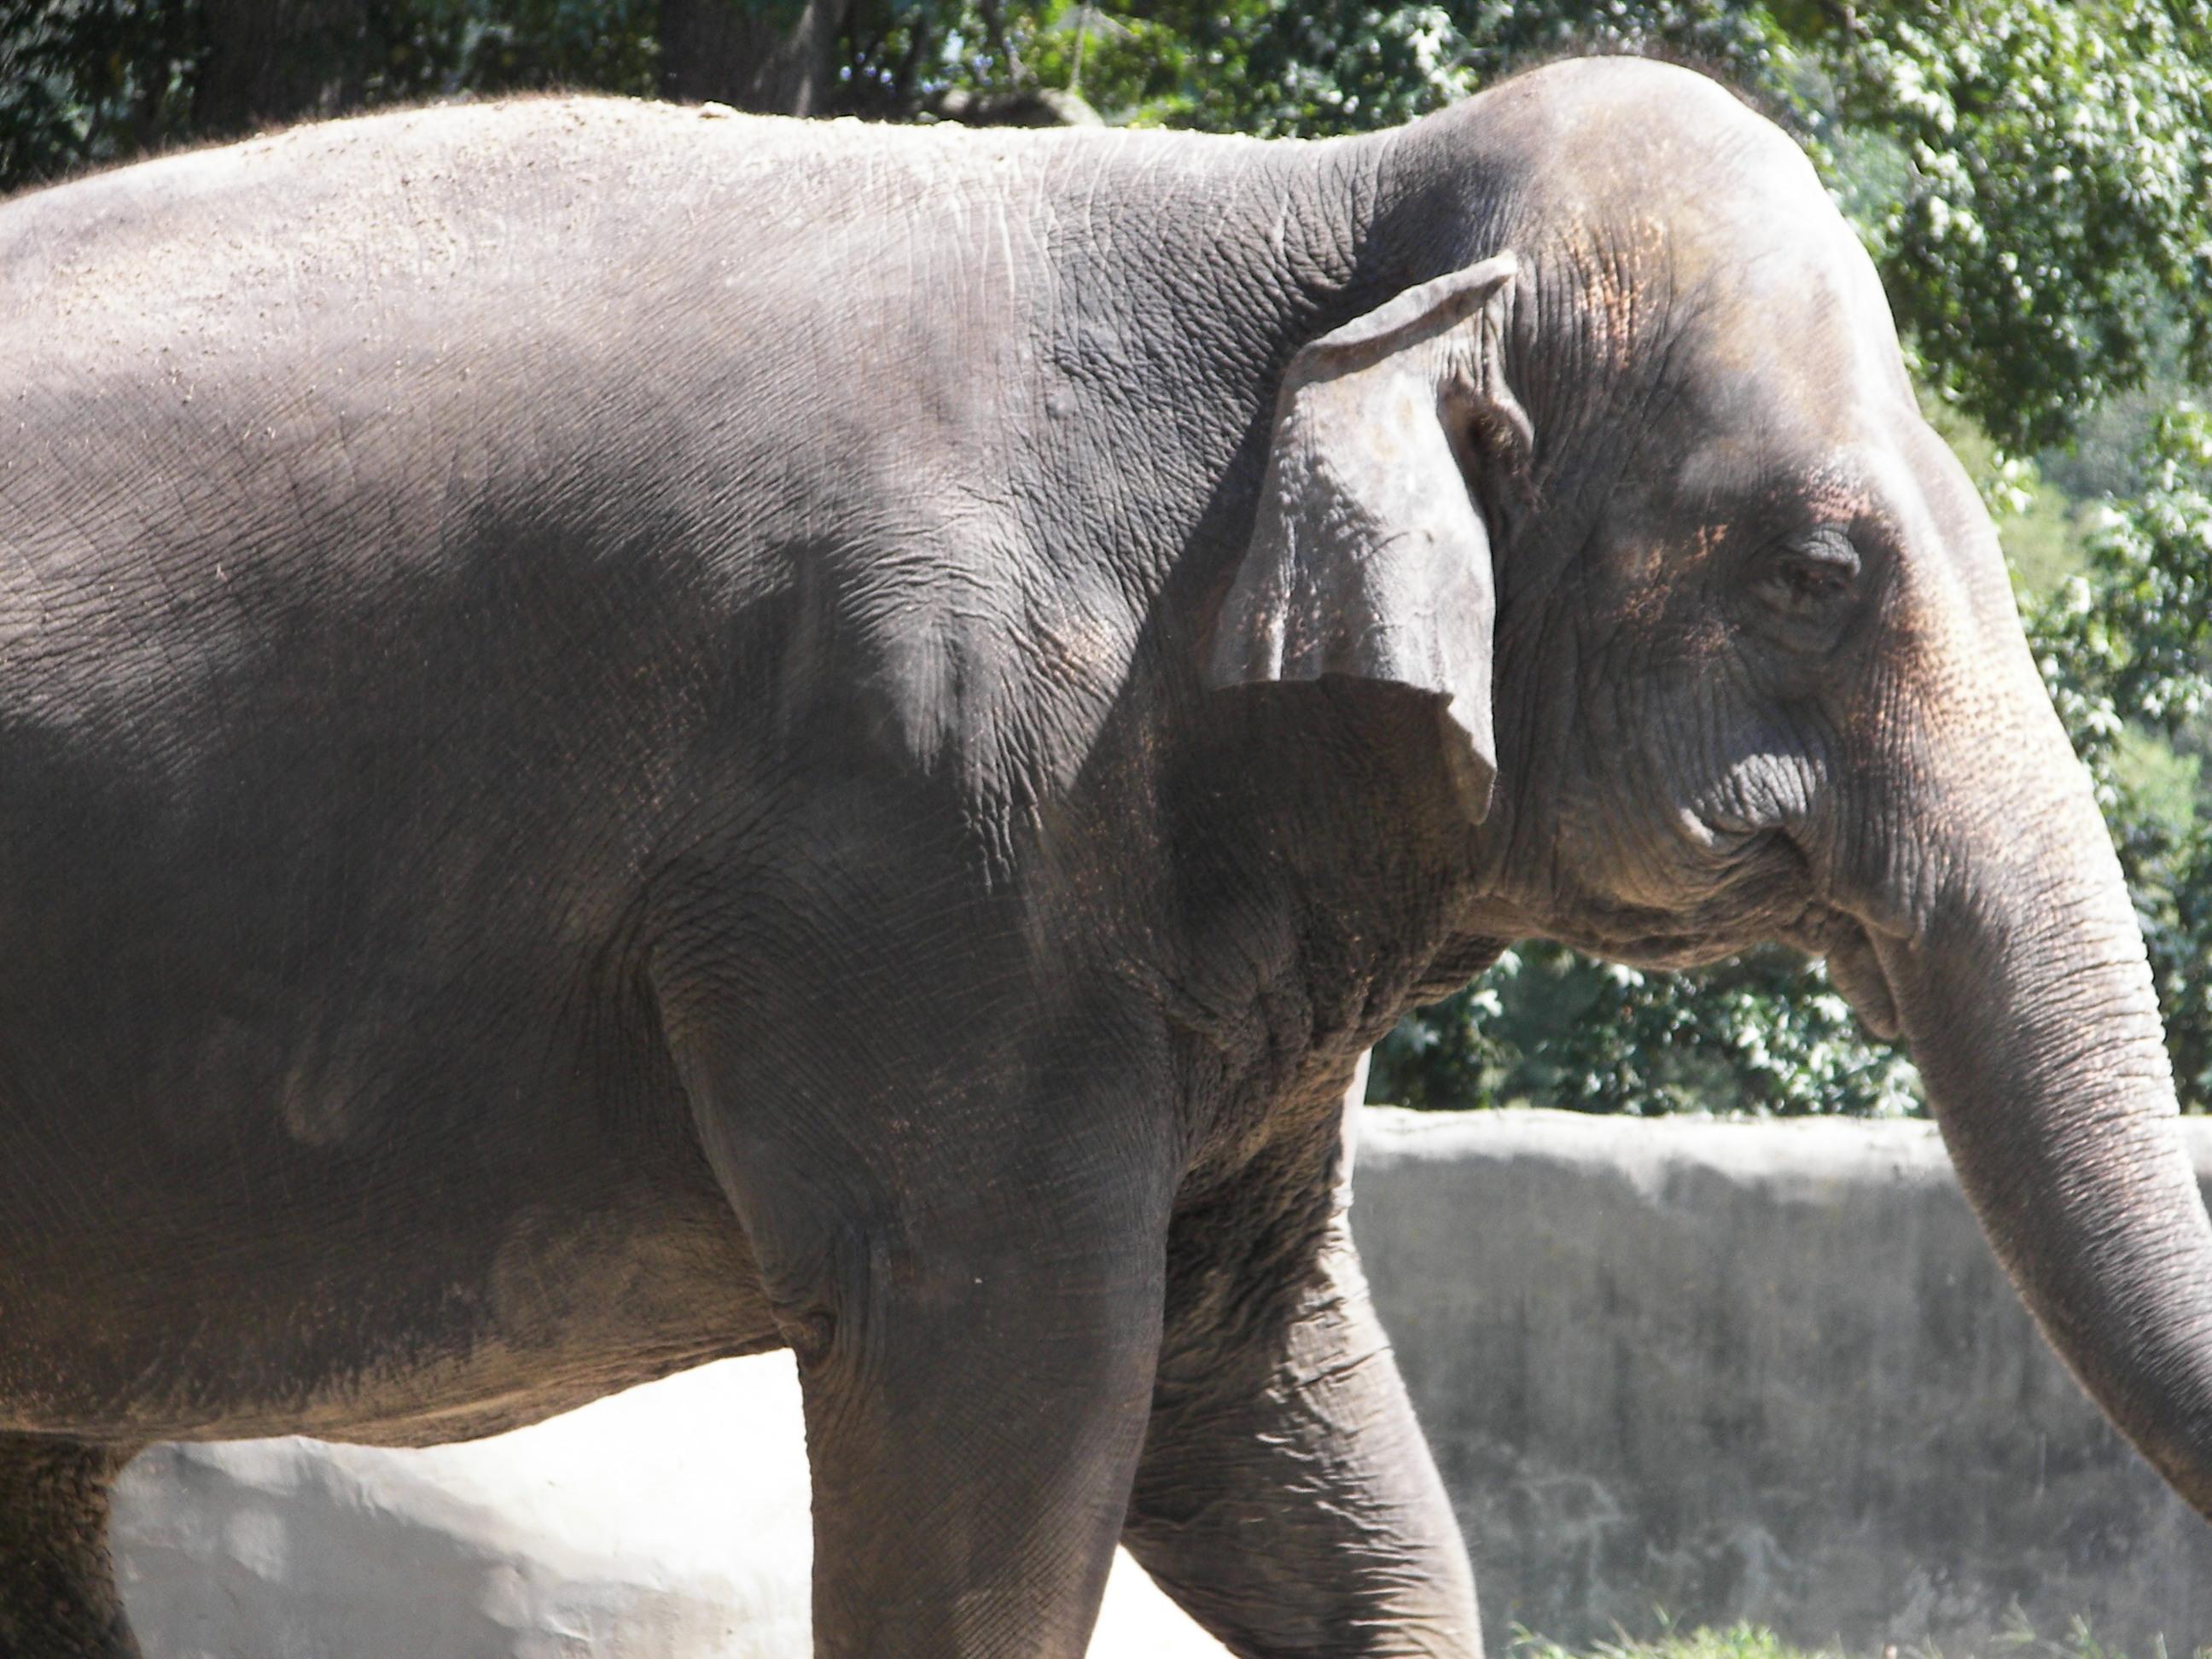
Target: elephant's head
[{"x": 1724, "y": 650}]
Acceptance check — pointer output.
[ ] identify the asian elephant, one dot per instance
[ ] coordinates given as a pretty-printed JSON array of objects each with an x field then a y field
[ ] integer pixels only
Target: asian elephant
[{"x": 628, "y": 735}]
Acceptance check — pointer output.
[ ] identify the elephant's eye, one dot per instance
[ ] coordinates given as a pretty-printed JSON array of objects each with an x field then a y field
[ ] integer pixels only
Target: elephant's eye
[{"x": 1806, "y": 578}]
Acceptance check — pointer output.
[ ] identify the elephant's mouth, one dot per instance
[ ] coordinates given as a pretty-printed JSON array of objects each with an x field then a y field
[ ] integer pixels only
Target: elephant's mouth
[
  {"x": 1654, "y": 941},
  {"x": 1854, "y": 967}
]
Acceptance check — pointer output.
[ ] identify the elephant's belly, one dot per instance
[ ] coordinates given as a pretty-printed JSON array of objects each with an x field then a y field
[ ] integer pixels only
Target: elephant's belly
[{"x": 454, "y": 1326}]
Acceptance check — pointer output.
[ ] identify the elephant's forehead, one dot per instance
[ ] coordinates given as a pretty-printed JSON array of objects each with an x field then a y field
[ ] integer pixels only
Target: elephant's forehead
[
  {"x": 1761, "y": 306},
  {"x": 1833, "y": 477},
  {"x": 1789, "y": 349}
]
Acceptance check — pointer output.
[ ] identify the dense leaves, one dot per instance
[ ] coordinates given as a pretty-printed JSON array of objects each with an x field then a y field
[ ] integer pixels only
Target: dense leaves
[
  {"x": 2126, "y": 649},
  {"x": 1545, "y": 1027},
  {"x": 2056, "y": 201},
  {"x": 85, "y": 81},
  {"x": 91, "y": 81}
]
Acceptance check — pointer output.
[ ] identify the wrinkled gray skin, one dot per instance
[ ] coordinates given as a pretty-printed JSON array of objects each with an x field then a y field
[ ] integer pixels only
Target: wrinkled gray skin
[{"x": 629, "y": 737}]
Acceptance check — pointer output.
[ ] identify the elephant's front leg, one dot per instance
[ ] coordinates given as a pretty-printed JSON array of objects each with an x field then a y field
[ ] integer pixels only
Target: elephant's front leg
[
  {"x": 975, "y": 1391},
  {"x": 970, "y": 1272},
  {"x": 1286, "y": 1498}
]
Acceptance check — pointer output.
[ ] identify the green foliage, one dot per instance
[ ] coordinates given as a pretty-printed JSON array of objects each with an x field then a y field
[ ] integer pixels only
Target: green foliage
[
  {"x": 1139, "y": 64},
  {"x": 511, "y": 45},
  {"x": 1281, "y": 67},
  {"x": 2126, "y": 649},
  {"x": 89, "y": 81},
  {"x": 2044, "y": 527},
  {"x": 1763, "y": 1033},
  {"x": 2058, "y": 194},
  {"x": 86, "y": 81}
]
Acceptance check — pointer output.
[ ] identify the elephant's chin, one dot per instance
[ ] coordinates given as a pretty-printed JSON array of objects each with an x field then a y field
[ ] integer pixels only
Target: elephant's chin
[{"x": 1848, "y": 947}]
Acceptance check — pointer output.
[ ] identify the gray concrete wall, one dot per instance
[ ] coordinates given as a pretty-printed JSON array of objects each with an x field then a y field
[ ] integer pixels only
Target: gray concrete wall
[{"x": 1764, "y": 1371}]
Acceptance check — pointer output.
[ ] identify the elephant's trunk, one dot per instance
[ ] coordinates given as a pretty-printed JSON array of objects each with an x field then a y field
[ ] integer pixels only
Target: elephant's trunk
[{"x": 2029, "y": 1005}]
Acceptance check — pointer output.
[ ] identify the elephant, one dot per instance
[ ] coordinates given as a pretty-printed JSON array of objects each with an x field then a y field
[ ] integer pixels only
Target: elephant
[{"x": 634, "y": 734}]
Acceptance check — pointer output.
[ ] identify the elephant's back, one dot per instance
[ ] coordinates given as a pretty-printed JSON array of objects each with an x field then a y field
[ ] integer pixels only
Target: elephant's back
[{"x": 506, "y": 209}]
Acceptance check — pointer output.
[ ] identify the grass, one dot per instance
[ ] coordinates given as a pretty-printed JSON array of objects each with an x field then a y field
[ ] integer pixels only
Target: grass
[
  {"x": 1737, "y": 1642},
  {"x": 1744, "y": 1641}
]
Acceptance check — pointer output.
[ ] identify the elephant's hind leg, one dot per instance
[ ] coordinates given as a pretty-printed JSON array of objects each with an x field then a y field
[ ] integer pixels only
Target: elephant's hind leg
[
  {"x": 1305, "y": 1516},
  {"x": 1286, "y": 1497},
  {"x": 57, "y": 1596}
]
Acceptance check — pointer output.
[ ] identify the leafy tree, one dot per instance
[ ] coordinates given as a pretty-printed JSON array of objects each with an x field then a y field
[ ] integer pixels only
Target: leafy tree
[
  {"x": 2126, "y": 649},
  {"x": 85, "y": 81},
  {"x": 2056, "y": 209},
  {"x": 1545, "y": 1027}
]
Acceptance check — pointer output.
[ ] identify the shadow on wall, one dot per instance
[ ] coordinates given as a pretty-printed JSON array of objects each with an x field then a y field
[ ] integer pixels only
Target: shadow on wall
[{"x": 1767, "y": 1371}]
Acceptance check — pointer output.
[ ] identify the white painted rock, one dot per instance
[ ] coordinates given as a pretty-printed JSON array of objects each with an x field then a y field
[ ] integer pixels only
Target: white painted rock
[{"x": 668, "y": 1522}]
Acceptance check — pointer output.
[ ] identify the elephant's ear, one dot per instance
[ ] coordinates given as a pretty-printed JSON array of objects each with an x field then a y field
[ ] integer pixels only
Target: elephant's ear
[{"x": 1369, "y": 557}]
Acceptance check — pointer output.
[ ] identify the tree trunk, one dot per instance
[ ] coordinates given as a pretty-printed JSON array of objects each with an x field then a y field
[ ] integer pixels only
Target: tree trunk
[{"x": 759, "y": 55}]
